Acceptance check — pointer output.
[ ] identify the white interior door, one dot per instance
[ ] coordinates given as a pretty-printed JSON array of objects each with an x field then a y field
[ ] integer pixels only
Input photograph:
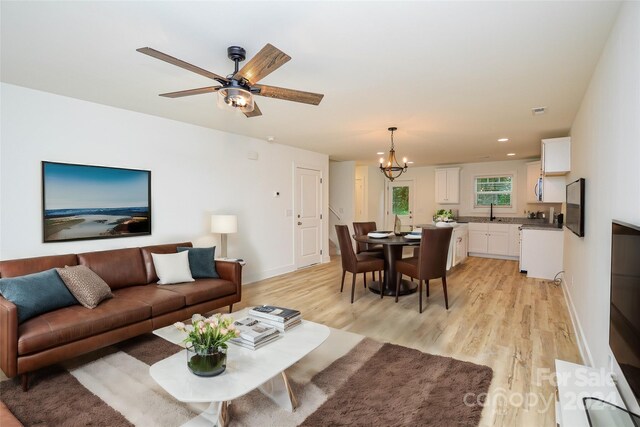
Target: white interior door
[
  {"x": 308, "y": 207},
  {"x": 360, "y": 214},
  {"x": 400, "y": 196}
]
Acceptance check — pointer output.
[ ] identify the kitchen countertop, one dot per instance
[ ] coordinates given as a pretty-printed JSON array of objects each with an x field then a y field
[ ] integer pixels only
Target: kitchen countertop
[
  {"x": 505, "y": 220},
  {"x": 547, "y": 226}
]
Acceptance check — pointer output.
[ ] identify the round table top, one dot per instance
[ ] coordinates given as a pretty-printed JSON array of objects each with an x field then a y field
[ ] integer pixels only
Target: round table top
[{"x": 391, "y": 240}]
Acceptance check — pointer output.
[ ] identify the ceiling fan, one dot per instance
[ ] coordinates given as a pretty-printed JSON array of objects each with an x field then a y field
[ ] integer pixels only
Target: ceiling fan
[{"x": 237, "y": 89}]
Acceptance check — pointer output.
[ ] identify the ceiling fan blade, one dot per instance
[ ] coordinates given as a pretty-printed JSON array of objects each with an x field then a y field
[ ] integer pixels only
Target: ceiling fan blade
[
  {"x": 269, "y": 59},
  {"x": 256, "y": 111},
  {"x": 180, "y": 63},
  {"x": 190, "y": 92},
  {"x": 289, "y": 94}
]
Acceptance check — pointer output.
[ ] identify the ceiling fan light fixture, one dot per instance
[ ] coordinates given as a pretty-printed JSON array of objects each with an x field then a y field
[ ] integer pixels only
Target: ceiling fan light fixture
[{"x": 232, "y": 98}]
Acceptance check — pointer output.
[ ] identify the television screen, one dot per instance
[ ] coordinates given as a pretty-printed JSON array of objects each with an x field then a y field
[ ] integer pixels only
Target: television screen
[
  {"x": 575, "y": 207},
  {"x": 624, "y": 328}
]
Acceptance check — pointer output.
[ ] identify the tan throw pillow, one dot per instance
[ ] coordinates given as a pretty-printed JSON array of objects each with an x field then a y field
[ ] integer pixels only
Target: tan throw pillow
[{"x": 88, "y": 288}]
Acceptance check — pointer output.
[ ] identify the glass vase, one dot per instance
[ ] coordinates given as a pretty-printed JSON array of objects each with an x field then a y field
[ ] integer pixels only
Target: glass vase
[{"x": 206, "y": 362}]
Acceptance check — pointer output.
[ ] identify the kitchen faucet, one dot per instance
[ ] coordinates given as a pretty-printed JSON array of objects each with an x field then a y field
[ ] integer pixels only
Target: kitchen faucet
[{"x": 491, "y": 217}]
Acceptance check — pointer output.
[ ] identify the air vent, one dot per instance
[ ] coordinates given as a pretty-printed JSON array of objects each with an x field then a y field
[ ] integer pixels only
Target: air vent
[{"x": 536, "y": 111}]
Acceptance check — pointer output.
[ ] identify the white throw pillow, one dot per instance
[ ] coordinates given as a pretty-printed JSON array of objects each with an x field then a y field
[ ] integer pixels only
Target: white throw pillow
[{"x": 172, "y": 268}]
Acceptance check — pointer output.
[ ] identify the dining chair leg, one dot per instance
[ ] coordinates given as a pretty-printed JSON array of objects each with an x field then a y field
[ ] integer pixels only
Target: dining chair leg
[
  {"x": 420, "y": 294},
  {"x": 427, "y": 283},
  {"x": 344, "y": 272},
  {"x": 373, "y": 276},
  {"x": 353, "y": 285},
  {"x": 365, "y": 279},
  {"x": 398, "y": 279},
  {"x": 444, "y": 287}
]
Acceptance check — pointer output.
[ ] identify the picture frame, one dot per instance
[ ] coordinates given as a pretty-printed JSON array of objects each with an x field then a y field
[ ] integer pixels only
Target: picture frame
[{"x": 87, "y": 202}]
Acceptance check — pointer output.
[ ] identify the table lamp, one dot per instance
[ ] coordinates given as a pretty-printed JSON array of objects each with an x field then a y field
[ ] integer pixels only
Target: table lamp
[{"x": 224, "y": 224}]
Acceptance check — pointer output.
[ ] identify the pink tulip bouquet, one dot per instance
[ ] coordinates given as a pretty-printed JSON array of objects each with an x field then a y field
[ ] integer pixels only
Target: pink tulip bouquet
[{"x": 207, "y": 334}]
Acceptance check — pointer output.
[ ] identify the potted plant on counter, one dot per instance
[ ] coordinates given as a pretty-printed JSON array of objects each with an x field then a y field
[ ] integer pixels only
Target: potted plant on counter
[{"x": 443, "y": 215}]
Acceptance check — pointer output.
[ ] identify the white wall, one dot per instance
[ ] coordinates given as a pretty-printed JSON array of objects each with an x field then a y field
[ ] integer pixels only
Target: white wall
[
  {"x": 195, "y": 172},
  {"x": 606, "y": 152},
  {"x": 342, "y": 176}
]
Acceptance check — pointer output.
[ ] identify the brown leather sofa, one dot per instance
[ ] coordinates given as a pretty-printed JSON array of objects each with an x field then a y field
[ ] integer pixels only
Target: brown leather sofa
[{"x": 138, "y": 306}]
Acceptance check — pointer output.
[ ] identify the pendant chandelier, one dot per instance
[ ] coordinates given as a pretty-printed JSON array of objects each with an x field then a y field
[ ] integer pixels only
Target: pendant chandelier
[{"x": 392, "y": 169}]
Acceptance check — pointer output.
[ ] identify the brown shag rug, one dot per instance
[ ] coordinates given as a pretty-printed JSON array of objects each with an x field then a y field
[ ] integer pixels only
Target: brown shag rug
[{"x": 373, "y": 383}]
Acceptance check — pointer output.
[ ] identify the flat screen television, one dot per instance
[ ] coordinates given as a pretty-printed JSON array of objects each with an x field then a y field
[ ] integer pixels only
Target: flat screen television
[
  {"x": 575, "y": 207},
  {"x": 624, "y": 325}
]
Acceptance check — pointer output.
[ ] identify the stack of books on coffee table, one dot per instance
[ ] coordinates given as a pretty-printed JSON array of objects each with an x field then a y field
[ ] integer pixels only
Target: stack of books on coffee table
[
  {"x": 280, "y": 318},
  {"x": 254, "y": 333}
]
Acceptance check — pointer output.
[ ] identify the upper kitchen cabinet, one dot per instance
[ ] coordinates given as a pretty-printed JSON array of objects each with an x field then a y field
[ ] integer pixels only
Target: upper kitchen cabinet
[
  {"x": 448, "y": 186},
  {"x": 556, "y": 156}
]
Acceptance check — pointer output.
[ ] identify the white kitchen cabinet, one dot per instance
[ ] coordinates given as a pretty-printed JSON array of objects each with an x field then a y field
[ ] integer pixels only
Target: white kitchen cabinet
[
  {"x": 541, "y": 252},
  {"x": 458, "y": 246},
  {"x": 478, "y": 237},
  {"x": 448, "y": 186},
  {"x": 460, "y": 249},
  {"x": 487, "y": 239},
  {"x": 556, "y": 156},
  {"x": 514, "y": 240},
  {"x": 553, "y": 187}
]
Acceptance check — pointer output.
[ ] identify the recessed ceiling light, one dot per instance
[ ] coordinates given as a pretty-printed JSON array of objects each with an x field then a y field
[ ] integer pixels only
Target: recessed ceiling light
[
  {"x": 380, "y": 153},
  {"x": 409, "y": 163},
  {"x": 503, "y": 139},
  {"x": 271, "y": 138},
  {"x": 511, "y": 154}
]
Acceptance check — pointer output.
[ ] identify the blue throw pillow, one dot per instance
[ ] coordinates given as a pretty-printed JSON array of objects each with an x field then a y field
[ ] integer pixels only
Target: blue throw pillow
[
  {"x": 36, "y": 293},
  {"x": 202, "y": 262}
]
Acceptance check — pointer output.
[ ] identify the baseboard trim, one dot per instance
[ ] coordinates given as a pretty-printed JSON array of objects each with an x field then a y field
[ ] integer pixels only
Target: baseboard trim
[
  {"x": 587, "y": 359},
  {"x": 507, "y": 257},
  {"x": 267, "y": 274}
]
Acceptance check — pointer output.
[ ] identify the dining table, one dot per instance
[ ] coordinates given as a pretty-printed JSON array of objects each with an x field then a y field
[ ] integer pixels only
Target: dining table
[{"x": 392, "y": 249}]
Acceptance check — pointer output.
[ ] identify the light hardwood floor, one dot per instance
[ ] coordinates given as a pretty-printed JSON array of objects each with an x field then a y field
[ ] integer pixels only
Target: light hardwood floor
[{"x": 496, "y": 317}]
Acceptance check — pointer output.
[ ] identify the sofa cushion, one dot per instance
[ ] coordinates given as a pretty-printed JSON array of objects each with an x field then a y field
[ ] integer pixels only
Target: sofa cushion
[
  {"x": 172, "y": 268},
  {"x": 20, "y": 267},
  {"x": 119, "y": 268},
  {"x": 202, "y": 290},
  {"x": 73, "y": 323},
  {"x": 36, "y": 293},
  {"x": 202, "y": 262},
  {"x": 146, "y": 251},
  {"x": 88, "y": 288},
  {"x": 160, "y": 300}
]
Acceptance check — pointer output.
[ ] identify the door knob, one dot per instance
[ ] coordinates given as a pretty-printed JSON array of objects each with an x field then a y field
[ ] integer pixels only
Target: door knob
[{"x": 299, "y": 223}]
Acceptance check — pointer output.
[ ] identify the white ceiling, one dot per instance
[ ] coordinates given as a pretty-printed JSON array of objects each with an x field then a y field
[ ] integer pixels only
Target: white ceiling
[{"x": 452, "y": 76}]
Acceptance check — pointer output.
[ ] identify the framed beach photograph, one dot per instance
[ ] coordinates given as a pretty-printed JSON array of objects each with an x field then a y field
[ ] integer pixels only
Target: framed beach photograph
[{"x": 81, "y": 202}]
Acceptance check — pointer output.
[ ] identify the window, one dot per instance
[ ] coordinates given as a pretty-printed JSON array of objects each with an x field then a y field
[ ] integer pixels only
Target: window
[
  {"x": 493, "y": 189},
  {"x": 400, "y": 201}
]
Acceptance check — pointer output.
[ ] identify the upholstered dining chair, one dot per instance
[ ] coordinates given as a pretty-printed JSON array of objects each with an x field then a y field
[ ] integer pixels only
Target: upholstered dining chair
[
  {"x": 431, "y": 262},
  {"x": 362, "y": 229},
  {"x": 355, "y": 263}
]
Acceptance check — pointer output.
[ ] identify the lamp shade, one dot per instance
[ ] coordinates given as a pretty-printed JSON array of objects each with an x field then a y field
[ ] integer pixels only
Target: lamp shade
[{"x": 224, "y": 224}]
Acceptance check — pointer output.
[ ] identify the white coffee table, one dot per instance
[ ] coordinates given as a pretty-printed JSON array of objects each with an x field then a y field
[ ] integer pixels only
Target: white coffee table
[{"x": 246, "y": 370}]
